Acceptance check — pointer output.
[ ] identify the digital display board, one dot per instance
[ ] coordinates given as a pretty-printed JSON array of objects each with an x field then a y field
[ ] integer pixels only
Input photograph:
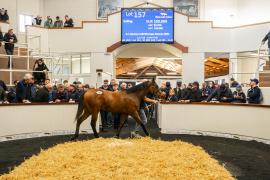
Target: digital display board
[{"x": 147, "y": 25}]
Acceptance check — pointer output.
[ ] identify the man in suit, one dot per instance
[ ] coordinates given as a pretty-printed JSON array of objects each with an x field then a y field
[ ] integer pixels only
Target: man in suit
[{"x": 178, "y": 90}]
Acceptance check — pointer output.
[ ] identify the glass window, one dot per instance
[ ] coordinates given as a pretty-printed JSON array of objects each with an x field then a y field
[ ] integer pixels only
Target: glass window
[{"x": 24, "y": 20}]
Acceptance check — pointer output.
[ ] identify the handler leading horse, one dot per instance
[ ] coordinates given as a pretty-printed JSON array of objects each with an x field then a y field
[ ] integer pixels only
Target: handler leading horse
[{"x": 126, "y": 103}]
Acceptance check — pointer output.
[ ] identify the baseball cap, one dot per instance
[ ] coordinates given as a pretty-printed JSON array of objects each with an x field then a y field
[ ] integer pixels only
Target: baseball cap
[{"x": 255, "y": 80}]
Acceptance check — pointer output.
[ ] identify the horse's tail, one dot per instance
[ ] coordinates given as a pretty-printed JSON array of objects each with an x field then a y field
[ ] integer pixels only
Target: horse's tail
[{"x": 80, "y": 107}]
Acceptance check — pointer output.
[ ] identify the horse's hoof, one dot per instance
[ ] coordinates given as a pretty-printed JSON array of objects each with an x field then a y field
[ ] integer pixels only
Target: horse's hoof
[{"x": 116, "y": 137}]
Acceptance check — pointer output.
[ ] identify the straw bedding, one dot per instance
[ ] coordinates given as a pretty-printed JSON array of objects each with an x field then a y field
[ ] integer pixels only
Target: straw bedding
[{"x": 121, "y": 159}]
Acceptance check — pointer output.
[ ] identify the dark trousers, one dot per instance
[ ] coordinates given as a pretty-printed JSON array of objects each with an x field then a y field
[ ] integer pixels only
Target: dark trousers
[
  {"x": 104, "y": 119},
  {"x": 9, "y": 52},
  {"x": 116, "y": 120}
]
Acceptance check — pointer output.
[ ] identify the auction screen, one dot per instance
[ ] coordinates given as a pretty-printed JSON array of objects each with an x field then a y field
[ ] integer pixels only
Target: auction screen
[{"x": 147, "y": 25}]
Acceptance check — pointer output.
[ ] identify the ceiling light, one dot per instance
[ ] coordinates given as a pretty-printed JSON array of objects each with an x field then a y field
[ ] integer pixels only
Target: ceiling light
[{"x": 131, "y": 73}]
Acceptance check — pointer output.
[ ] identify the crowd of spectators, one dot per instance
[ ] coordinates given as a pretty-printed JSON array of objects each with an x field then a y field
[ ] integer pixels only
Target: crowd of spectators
[
  {"x": 211, "y": 92},
  {"x": 4, "y": 15},
  {"x": 29, "y": 90},
  {"x": 49, "y": 23}
]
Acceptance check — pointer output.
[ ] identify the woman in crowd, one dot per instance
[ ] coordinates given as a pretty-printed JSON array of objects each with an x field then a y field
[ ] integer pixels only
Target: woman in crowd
[
  {"x": 211, "y": 87},
  {"x": 187, "y": 92},
  {"x": 172, "y": 97},
  {"x": 239, "y": 96},
  {"x": 48, "y": 23},
  {"x": 204, "y": 91},
  {"x": 40, "y": 77}
]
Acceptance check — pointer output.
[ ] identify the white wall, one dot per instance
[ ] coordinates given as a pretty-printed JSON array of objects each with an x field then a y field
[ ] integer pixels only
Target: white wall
[
  {"x": 247, "y": 123},
  {"x": 59, "y": 119},
  {"x": 250, "y": 11},
  {"x": 223, "y": 13}
]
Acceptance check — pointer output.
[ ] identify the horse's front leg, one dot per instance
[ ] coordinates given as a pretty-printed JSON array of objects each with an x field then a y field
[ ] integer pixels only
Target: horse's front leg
[{"x": 123, "y": 118}]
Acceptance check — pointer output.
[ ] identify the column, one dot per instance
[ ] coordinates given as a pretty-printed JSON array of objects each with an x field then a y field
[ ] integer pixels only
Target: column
[{"x": 193, "y": 67}]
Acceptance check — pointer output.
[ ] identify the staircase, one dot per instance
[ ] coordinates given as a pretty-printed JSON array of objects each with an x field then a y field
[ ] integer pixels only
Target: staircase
[
  {"x": 264, "y": 76},
  {"x": 20, "y": 65}
]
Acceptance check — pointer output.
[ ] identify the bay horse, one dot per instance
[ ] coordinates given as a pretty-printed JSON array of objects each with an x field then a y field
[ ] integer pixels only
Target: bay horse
[{"x": 123, "y": 102}]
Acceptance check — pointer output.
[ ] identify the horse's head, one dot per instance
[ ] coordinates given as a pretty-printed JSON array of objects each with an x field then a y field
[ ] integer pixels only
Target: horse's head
[{"x": 153, "y": 88}]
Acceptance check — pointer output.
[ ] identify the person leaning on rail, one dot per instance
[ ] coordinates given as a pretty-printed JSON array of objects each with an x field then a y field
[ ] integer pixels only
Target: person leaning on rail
[
  {"x": 195, "y": 94},
  {"x": 267, "y": 38},
  {"x": 254, "y": 94},
  {"x": 26, "y": 89},
  {"x": 239, "y": 96},
  {"x": 221, "y": 94},
  {"x": 3, "y": 96}
]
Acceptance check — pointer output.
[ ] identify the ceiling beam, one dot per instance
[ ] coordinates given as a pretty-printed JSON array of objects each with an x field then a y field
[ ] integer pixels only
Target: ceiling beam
[{"x": 142, "y": 72}]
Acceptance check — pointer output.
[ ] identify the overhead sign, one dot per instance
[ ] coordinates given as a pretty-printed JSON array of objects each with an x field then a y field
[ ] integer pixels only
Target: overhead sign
[{"x": 147, "y": 25}]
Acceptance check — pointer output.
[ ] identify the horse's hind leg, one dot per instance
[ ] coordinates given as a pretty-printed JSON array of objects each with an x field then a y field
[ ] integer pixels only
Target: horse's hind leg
[
  {"x": 137, "y": 118},
  {"x": 123, "y": 118},
  {"x": 93, "y": 123},
  {"x": 83, "y": 117}
]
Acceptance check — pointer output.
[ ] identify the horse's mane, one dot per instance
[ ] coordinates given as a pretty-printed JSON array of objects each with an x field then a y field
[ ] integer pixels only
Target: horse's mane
[{"x": 137, "y": 87}]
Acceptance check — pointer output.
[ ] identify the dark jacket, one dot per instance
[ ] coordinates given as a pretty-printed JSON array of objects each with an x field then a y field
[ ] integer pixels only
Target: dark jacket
[
  {"x": 40, "y": 76},
  {"x": 7, "y": 38},
  {"x": 234, "y": 84},
  {"x": 267, "y": 37},
  {"x": 25, "y": 91},
  {"x": 239, "y": 97},
  {"x": 186, "y": 95},
  {"x": 2, "y": 94},
  {"x": 11, "y": 95},
  {"x": 254, "y": 95},
  {"x": 3, "y": 85},
  {"x": 210, "y": 90},
  {"x": 178, "y": 93},
  {"x": 4, "y": 17},
  {"x": 42, "y": 95},
  {"x": 1, "y": 38},
  {"x": 196, "y": 95},
  {"x": 58, "y": 24},
  {"x": 62, "y": 96},
  {"x": 69, "y": 23},
  {"x": 172, "y": 98},
  {"x": 205, "y": 93},
  {"x": 221, "y": 93},
  {"x": 75, "y": 95},
  {"x": 37, "y": 21}
]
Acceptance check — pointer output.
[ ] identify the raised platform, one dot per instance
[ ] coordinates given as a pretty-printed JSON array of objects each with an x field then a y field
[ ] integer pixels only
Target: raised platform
[
  {"x": 240, "y": 121},
  {"x": 21, "y": 121}
]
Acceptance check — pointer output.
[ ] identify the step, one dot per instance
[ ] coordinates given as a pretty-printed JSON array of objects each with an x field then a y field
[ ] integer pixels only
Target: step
[
  {"x": 18, "y": 62},
  {"x": 23, "y": 51},
  {"x": 15, "y": 76},
  {"x": 267, "y": 67},
  {"x": 264, "y": 78},
  {"x": 265, "y": 84}
]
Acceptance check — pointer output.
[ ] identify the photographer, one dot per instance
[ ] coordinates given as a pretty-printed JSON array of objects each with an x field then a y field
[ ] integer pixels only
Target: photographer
[{"x": 40, "y": 77}]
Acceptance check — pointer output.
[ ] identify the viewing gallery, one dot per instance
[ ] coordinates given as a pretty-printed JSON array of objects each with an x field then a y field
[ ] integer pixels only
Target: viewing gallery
[{"x": 134, "y": 89}]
